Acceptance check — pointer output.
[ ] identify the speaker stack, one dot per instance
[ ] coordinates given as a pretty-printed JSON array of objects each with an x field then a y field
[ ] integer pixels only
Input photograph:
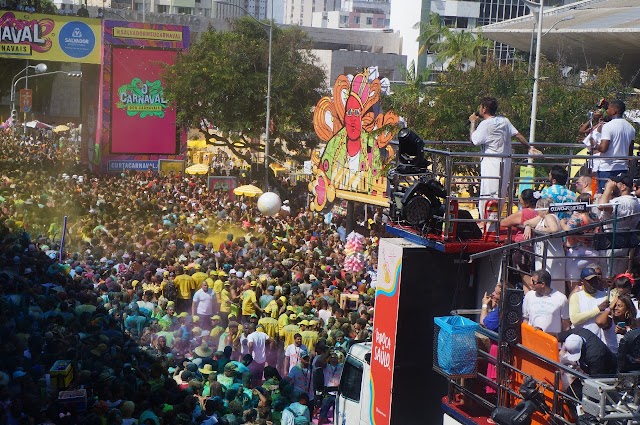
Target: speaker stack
[{"x": 511, "y": 316}]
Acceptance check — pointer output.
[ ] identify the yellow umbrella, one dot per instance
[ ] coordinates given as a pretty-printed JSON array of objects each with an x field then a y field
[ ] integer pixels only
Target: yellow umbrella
[
  {"x": 198, "y": 144},
  {"x": 197, "y": 169},
  {"x": 60, "y": 128},
  {"x": 248, "y": 190}
]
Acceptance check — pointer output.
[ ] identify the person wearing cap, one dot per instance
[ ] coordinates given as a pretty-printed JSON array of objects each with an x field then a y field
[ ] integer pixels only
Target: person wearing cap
[
  {"x": 582, "y": 349},
  {"x": 249, "y": 301},
  {"x": 204, "y": 304},
  {"x": 618, "y": 198},
  {"x": 310, "y": 335},
  {"x": 225, "y": 302},
  {"x": 216, "y": 328},
  {"x": 290, "y": 330},
  {"x": 302, "y": 373},
  {"x": 616, "y": 142},
  {"x": 586, "y": 305},
  {"x": 545, "y": 308}
]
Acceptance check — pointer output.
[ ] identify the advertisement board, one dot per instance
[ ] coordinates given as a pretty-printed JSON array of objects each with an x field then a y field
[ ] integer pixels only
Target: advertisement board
[
  {"x": 169, "y": 166},
  {"x": 385, "y": 320},
  {"x": 50, "y": 37},
  {"x": 142, "y": 121},
  {"x": 119, "y": 166},
  {"x": 223, "y": 183}
]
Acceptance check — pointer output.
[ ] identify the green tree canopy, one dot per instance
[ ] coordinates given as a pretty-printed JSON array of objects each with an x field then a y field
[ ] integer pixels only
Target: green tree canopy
[
  {"x": 222, "y": 80},
  {"x": 440, "y": 111}
]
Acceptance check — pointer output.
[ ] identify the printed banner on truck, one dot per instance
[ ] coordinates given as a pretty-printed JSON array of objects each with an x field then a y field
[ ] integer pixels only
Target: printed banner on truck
[
  {"x": 385, "y": 319},
  {"x": 50, "y": 37},
  {"x": 142, "y": 121}
]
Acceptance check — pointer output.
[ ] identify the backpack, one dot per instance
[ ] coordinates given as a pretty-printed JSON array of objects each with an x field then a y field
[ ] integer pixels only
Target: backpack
[
  {"x": 299, "y": 418},
  {"x": 170, "y": 291}
]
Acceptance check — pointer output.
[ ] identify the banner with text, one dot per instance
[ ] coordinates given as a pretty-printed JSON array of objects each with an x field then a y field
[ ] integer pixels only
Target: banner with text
[
  {"x": 142, "y": 121},
  {"x": 385, "y": 319},
  {"x": 50, "y": 37}
]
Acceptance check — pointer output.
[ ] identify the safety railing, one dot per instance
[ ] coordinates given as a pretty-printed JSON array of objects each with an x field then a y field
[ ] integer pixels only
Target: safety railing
[{"x": 443, "y": 164}]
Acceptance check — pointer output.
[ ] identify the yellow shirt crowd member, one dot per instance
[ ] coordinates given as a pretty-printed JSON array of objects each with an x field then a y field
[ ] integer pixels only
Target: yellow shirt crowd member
[
  {"x": 185, "y": 285},
  {"x": 248, "y": 300},
  {"x": 290, "y": 331},
  {"x": 310, "y": 337},
  {"x": 225, "y": 299},
  {"x": 199, "y": 277},
  {"x": 270, "y": 326}
]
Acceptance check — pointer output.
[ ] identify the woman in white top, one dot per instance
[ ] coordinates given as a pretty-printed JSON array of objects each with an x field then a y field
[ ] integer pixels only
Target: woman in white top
[{"x": 547, "y": 222}]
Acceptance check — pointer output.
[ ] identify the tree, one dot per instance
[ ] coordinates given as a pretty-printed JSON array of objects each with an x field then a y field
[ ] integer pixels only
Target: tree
[
  {"x": 222, "y": 81},
  {"x": 440, "y": 111},
  {"x": 430, "y": 33}
]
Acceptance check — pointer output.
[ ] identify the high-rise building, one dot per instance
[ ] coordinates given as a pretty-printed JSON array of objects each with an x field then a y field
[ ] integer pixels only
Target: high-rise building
[
  {"x": 300, "y": 12},
  {"x": 355, "y": 14}
]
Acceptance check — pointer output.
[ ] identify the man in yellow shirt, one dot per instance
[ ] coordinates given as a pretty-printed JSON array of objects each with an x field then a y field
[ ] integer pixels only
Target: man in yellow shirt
[
  {"x": 225, "y": 303},
  {"x": 198, "y": 276},
  {"x": 291, "y": 329},
  {"x": 186, "y": 285},
  {"x": 249, "y": 301},
  {"x": 216, "y": 328},
  {"x": 273, "y": 309},
  {"x": 310, "y": 336}
]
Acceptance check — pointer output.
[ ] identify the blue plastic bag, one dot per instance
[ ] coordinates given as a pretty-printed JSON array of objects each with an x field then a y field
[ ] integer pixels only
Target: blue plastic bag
[{"x": 457, "y": 351}]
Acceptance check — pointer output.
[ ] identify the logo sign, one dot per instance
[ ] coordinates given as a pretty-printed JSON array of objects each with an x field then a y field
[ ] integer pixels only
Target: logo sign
[
  {"x": 146, "y": 99},
  {"x": 25, "y": 100},
  {"x": 116, "y": 166},
  {"x": 52, "y": 38},
  {"x": 76, "y": 39},
  {"x": 569, "y": 207}
]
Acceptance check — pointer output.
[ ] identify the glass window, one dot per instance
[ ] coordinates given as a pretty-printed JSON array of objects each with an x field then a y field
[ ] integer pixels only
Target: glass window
[
  {"x": 357, "y": 20},
  {"x": 351, "y": 381},
  {"x": 369, "y": 21},
  {"x": 163, "y": 8}
]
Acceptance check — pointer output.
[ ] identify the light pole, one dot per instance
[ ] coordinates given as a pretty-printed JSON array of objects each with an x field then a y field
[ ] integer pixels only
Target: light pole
[
  {"x": 72, "y": 74},
  {"x": 268, "y": 118},
  {"x": 566, "y": 18},
  {"x": 39, "y": 69}
]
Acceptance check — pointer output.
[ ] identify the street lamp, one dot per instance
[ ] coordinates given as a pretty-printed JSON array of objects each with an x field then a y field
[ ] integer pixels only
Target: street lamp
[
  {"x": 566, "y": 18},
  {"x": 72, "y": 74},
  {"x": 268, "y": 118},
  {"x": 39, "y": 69}
]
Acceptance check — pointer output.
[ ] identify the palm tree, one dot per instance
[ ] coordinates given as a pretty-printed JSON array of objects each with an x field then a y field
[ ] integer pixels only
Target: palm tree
[
  {"x": 430, "y": 33},
  {"x": 461, "y": 47}
]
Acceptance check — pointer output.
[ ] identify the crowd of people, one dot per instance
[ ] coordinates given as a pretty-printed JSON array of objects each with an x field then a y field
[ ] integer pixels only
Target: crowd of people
[{"x": 166, "y": 302}]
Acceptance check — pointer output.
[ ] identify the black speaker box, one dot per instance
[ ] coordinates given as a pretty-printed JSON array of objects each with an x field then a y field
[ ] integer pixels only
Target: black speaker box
[{"x": 511, "y": 319}]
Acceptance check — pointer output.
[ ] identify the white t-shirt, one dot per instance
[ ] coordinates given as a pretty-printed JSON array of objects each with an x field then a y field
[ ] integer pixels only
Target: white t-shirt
[
  {"x": 324, "y": 315},
  {"x": 205, "y": 302},
  {"x": 293, "y": 352},
  {"x": 259, "y": 340},
  {"x": 332, "y": 375},
  {"x": 494, "y": 135},
  {"x": 546, "y": 312},
  {"x": 627, "y": 205},
  {"x": 620, "y": 135}
]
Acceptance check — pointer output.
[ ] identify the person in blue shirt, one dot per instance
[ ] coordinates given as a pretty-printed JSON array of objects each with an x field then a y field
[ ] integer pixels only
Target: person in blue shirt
[
  {"x": 490, "y": 314},
  {"x": 558, "y": 192}
]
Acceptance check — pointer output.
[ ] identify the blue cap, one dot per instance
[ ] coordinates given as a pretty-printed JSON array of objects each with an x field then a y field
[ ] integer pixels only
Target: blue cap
[{"x": 588, "y": 274}]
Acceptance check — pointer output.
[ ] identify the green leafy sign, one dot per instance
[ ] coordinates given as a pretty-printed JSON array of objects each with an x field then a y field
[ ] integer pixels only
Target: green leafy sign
[{"x": 146, "y": 99}]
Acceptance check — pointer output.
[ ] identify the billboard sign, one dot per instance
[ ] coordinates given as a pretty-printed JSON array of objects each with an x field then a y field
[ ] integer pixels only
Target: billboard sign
[
  {"x": 385, "y": 321},
  {"x": 50, "y": 37},
  {"x": 125, "y": 165},
  {"x": 142, "y": 121}
]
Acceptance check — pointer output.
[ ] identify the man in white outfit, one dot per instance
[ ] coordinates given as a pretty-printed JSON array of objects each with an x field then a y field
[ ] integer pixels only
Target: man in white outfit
[
  {"x": 494, "y": 135},
  {"x": 545, "y": 308}
]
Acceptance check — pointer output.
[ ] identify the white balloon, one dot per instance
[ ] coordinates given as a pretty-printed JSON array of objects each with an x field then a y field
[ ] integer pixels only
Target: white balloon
[{"x": 269, "y": 203}]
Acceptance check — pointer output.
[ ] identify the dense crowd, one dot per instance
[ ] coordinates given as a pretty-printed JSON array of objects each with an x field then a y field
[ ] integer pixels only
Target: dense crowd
[{"x": 171, "y": 303}]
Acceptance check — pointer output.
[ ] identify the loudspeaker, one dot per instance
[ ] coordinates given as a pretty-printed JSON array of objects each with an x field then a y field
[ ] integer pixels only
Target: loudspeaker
[{"x": 511, "y": 316}]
